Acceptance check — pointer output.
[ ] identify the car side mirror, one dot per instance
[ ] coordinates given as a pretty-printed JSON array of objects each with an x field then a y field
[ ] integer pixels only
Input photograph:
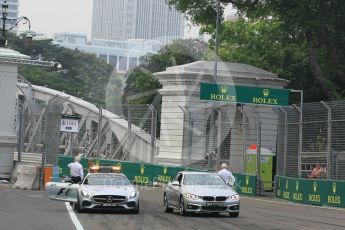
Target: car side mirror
[{"x": 175, "y": 183}]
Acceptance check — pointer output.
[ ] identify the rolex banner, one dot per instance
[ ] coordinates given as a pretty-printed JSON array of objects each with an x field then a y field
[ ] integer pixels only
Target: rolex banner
[
  {"x": 148, "y": 174},
  {"x": 244, "y": 94},
  {"x": 319, "y": 192},
  {"x": 245, "y": 184}
]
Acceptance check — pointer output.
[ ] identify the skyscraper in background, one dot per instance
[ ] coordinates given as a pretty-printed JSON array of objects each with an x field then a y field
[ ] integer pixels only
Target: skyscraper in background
[
  {"x": 12, "y": 12},
  {"x": 136, "y": 19}
]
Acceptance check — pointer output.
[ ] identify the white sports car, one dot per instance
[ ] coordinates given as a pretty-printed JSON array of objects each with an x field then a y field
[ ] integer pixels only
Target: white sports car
[{"x": 97, "y": 191}]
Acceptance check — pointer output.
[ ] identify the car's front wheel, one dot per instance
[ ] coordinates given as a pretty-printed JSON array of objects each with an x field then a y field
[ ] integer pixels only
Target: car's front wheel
[
  {"x": 166, "y": 207},
  {"x": 182, "y": 209}
]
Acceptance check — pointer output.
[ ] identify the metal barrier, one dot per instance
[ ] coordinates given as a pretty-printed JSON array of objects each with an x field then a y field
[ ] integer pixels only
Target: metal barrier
[
  {"x": 148, "y": 174},
  {"x": 309, "y": 191}
]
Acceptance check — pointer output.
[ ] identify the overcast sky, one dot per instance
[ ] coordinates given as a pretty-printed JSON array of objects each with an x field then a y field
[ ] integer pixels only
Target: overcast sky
[{"x": 54, "y": 16}]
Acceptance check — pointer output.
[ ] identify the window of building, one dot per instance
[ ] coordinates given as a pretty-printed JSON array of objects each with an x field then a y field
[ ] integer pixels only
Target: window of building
[
  {"x": 132, "y": 62},
  {"x": 113, "y": 60},
  {"x": 122, "y": 63}
]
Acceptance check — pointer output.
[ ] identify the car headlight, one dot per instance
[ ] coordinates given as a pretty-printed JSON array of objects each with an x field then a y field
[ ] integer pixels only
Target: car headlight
[
  {"x": 235, "y": 197},
  {"x": 132, "y": 195},
  {"x": 192, "y": 196},
  {"x": 85, "y": 194}
]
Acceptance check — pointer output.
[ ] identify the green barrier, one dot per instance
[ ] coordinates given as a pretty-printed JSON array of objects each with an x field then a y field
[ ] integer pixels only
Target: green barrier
[
  {"x": 245, "y": 184},
  {"x": 147, "y": 174},
  {"x": 141, "y": 173},
  {"x": 309, "y": 191}
]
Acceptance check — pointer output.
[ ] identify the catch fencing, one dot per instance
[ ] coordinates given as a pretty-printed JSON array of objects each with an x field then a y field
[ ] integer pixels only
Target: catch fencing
[
  {"x": 287, "y": 144},
  {"x": 318, "y": 139}
]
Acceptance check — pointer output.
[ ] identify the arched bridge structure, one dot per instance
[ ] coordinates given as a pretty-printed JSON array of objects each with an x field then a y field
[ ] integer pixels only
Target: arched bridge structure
[{"x": 101, "y": 133}]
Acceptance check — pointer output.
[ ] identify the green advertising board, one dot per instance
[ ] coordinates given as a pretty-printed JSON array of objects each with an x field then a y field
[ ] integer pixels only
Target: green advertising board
[
  {"x": 244, "y": 94},
  {"x": 245, "y": 184},
  {"x": 141, "y": 173},
  {"x": 318, "y": 192},
  {"x": 147, "y": 174}
]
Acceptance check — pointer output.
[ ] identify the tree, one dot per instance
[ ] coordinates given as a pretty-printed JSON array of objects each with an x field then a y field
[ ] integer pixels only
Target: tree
[
  {"x": 264, "y": 44},
  {"x": 318, "y": 24},
  {"x": 141, "y": 85},
  {"x": 83, "y": 75}
]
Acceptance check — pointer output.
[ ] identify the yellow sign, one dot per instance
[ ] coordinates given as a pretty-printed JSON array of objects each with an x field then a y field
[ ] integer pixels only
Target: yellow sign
[
  {"x": 247, "y": 180},
  {"x": 286, "y": 184},
  {"x": 142, "y": 169},
  {"x": 315, "y": 186},
  {"x": 223, "y": 89},
  {"x": 334, "y": 187},
  {"x": 297, "y": 185},
  {"x": 266, "y": 92},
  {"x": 165, "y": 170}
]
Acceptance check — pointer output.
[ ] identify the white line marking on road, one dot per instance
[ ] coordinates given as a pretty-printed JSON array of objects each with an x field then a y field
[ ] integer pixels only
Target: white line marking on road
[
  {"x": 34, "y": 196},
  {"x": 73, "y": 217},
  {"x": 295, "y": 204}
]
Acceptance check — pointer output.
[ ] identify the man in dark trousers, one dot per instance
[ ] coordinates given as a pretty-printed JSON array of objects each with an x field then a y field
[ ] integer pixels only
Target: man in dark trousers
[{"x": 76, "y": 170}]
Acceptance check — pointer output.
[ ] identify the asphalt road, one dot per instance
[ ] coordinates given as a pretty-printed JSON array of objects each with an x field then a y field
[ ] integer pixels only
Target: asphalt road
[{"x": 32, "y": 210}]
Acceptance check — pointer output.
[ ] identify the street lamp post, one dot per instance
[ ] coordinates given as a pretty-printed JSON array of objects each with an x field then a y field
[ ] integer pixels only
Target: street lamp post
[{"x": 3, "y": 41}]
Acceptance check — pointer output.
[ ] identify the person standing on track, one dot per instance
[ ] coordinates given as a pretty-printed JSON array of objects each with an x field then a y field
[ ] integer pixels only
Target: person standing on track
[
  {"x": 226, "y": 174},
  {"x": 76, "y": 170}
]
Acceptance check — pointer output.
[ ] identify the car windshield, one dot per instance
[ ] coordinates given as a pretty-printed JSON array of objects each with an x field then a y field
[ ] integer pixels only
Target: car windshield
[
  {"x": 203, "y": 179},
  {"x": 106, "y": 180}
]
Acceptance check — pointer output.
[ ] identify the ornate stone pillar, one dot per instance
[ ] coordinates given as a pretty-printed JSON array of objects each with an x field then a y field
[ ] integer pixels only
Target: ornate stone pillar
[{"x": 8, "y": 84}]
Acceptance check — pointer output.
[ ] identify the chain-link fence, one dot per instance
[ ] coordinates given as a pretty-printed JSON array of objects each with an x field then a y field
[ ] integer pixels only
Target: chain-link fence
[
  {"x": 236, "y": 134},
  {"x": 322, "y": 140},
  {"x": 200, "y": 135}
]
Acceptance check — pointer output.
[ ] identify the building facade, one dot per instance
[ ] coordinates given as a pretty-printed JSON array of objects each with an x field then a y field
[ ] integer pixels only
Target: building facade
[
  {"x": 136, "y": 19},
  {"x": 123, "y": 55},
  {"x": 71, "y": 38}
]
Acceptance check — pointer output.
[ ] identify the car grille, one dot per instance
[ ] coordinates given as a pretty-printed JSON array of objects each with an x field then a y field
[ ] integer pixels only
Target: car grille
[
  {"x": 220, "y": 198},
  {"x": 208, "y": 198},
  {"x": 109, "y": 199},
  {"x": 214, "y": 208},
  {"x": 212, "y": 198}
]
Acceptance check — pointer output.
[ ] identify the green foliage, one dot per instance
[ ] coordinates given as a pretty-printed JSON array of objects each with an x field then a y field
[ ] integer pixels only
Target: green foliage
[
  {"x": 82, "y": 75},
  {"x": 312, "y": 29},
  {"x": 262, "y": 43},
  {"x": 142, "y": 85}
]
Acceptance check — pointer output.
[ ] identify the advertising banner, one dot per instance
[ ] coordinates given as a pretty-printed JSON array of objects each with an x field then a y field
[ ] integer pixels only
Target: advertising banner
[
  {"x": 244, "y": 94},
  {"x": 318, "y": 192},
  {"x": 245, "y": 184},
  {"x": 147, "y": 174}
]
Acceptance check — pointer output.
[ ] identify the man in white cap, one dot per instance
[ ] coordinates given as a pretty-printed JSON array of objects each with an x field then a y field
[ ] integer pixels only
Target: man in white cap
[
  {"x": 226, "y": 174},
  {"x": 76, "y": 170}
]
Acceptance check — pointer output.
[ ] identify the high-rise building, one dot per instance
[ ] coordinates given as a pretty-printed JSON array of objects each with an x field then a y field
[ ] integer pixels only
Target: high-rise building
[
  {"x": 136, "y": 19},
  {"x": 12, "y": 12}
]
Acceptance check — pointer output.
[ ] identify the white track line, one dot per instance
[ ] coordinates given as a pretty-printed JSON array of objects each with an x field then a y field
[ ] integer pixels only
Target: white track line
[
  {"x": 73, "y": 217},
  {"x": 295, "y": 204}
]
